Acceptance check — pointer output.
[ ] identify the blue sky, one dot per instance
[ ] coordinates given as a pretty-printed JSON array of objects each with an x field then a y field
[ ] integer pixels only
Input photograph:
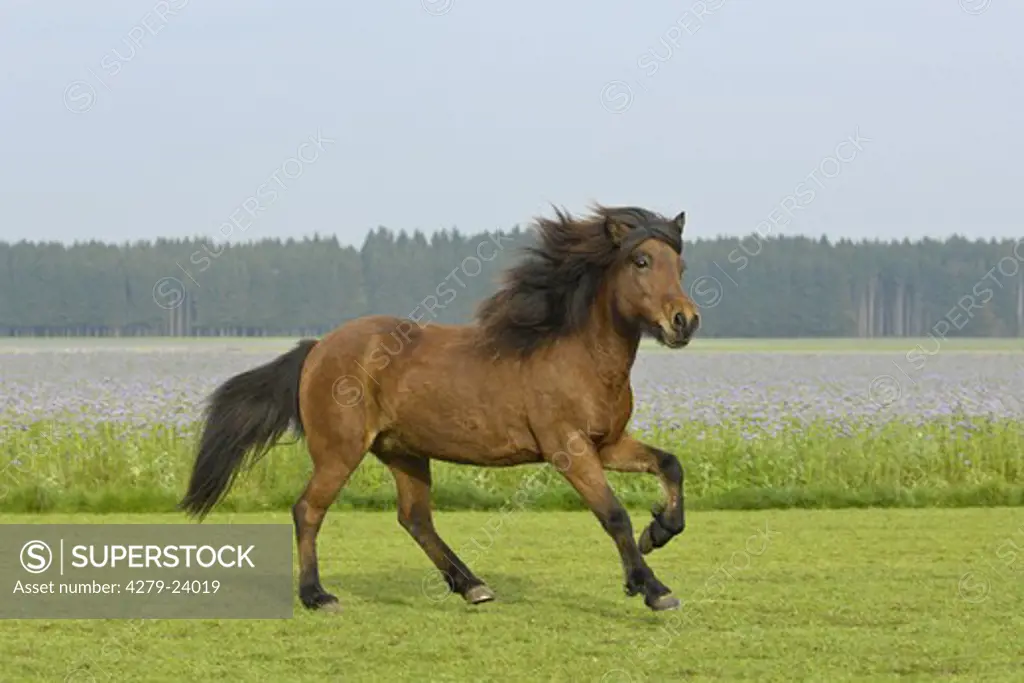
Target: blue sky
[{"x": 130, "y": 119}]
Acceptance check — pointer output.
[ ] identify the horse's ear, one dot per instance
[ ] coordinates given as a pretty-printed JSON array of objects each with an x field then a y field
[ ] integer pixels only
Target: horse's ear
[
  {"x": 680, "y": 221},
  {"x": 616, "y": 229}
]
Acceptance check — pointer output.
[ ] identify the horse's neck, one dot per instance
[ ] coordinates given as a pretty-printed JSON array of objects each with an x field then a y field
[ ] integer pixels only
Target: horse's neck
[{"x": 611, "y": 345}]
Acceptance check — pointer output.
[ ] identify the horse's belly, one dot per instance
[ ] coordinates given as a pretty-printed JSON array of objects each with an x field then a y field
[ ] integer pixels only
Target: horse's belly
[{"x": 484, "y": 445}]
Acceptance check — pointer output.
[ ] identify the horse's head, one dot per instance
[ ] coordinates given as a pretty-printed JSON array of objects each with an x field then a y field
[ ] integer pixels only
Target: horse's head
[{"x": 647, "y": 280}]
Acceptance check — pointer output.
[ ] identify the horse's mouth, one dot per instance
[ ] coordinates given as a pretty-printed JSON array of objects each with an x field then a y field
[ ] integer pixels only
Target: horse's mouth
[
  {"x": 671, "y": 341},
  {"x": 677, "y": 344}
]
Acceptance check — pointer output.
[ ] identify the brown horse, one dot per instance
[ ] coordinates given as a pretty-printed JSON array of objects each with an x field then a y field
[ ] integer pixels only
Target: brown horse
[{"x": 544, "y": 376}]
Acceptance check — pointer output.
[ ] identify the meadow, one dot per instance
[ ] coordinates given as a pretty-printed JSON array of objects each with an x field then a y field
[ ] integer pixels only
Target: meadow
[
  {"x": 104, "y": 431},
  {"x": 102, "y": 426},
  {"x": 824, "y": 596}
]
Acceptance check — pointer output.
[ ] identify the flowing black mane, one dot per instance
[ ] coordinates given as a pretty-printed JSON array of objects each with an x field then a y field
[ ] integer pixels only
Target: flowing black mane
[{"x": 550, "y": 292}]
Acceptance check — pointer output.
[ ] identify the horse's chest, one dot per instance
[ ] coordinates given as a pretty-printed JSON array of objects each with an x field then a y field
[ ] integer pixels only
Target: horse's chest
[{"x": 607, "y": 418}]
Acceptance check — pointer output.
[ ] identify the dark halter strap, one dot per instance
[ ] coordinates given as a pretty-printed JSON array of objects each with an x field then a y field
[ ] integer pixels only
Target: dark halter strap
[{"x": 637, "y": 235}]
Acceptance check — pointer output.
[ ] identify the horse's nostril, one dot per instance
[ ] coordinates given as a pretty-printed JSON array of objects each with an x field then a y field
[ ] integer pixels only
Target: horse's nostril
[{"x": 679, "y": 322}]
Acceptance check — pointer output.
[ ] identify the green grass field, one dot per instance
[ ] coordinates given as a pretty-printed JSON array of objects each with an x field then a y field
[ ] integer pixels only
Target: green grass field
[
  {"x": 944, "y": 462},
  {"x": 770, "y": 594},
  {"x": 823, "y": 596}
]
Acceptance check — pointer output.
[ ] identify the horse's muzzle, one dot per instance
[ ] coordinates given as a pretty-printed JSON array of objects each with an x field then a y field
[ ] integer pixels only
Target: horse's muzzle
[{"x": 684, "y": 327}]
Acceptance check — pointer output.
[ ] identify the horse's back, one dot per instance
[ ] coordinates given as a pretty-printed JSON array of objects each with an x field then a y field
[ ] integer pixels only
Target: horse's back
[{"x": 379, "y": 342}]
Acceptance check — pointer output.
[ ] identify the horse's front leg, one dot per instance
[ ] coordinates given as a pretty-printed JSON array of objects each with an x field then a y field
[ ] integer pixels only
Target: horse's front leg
[
  {"x": 630, "y": 455},
  {"x": 580, "y": 463}
]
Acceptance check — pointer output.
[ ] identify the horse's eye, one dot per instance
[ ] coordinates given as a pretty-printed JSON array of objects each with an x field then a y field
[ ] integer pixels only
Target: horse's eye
[{"x": 641, "y": 261}]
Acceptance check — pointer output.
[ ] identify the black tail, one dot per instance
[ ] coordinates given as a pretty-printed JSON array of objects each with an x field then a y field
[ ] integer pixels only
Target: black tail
[{"x": 248, "y": 412}]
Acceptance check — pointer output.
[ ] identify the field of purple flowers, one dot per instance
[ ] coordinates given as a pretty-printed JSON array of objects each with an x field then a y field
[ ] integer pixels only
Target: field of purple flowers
[{"x": 113, "y": 429}]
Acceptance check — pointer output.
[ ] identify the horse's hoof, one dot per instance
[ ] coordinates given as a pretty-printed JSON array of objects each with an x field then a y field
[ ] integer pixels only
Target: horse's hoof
[
  {"x": 330, "y": 608},
  {"x": 478, "y": 595},
  {"x": 664, "y": 602},
  {"x": 321, "y": 602}
]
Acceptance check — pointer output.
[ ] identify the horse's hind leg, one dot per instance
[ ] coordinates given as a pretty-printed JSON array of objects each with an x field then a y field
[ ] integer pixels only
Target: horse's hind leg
[
  {"x": 333, "y": 464},
  {"x": 630, "y": 455},
  {"x": 412, "y": 481}
]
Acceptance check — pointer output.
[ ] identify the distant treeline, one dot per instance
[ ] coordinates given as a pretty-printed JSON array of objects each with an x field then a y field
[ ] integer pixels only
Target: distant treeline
[{"x": 751, "y": 287}]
